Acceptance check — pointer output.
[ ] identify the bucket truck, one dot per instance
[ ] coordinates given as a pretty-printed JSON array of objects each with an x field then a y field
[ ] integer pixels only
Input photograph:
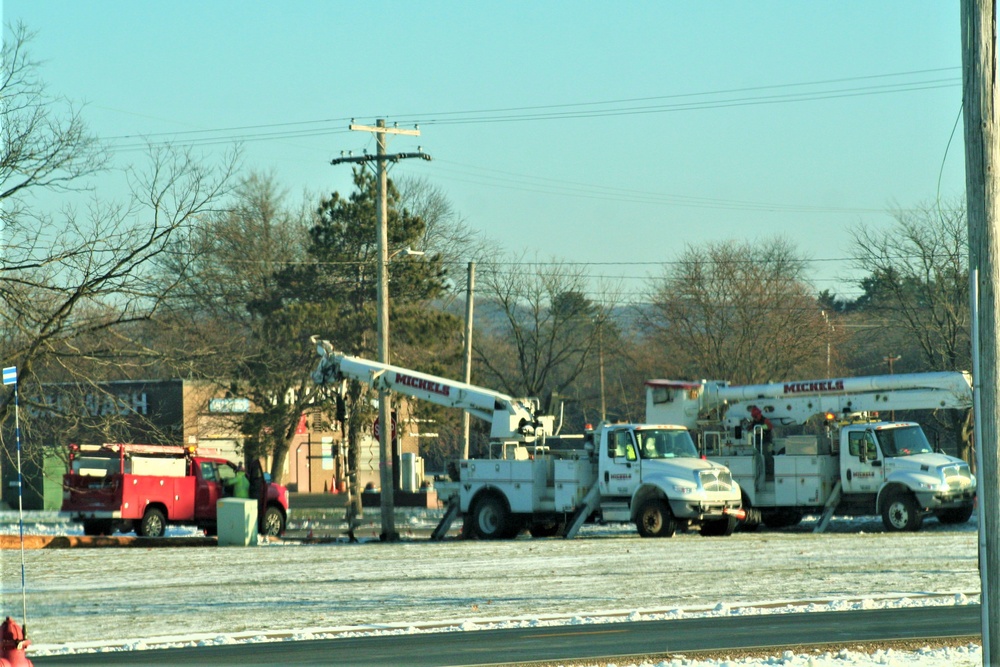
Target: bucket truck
[
  {"x": 862, "y": 466},
  {"x": 649, "y": 475}
]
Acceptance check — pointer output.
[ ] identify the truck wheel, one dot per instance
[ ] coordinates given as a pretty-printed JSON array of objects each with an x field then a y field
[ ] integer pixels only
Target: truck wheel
[
  {"x": 900, "y": 512},
  {"x": 273, "y": 523},
  {"x": 655, "y": 519},
  {"x": 955, "y": 515},
  {"x": 153, "y": 523},
  {"x": 490, "y": 520},
  {"x": 753, "y": 520},
  {"x": 720, "y": 528}
]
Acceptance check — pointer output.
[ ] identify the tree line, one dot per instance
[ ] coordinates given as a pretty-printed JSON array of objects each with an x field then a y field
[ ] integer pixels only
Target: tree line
[{"x": 204, "y": 271}]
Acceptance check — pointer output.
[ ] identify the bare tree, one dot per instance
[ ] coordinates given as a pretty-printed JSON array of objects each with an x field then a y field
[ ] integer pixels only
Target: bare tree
[
  {"x": 41, "y": 149},
  {"x": 225, "y": 268},
  {"x": 76, "y": 285},
  {"x": 741, "y": 312},
  {"x": 918, "y": 281},
  {"x": 916, "y": 293},
  {"x": 538, "y": 331},
  {"x": 446, "y": 231}
]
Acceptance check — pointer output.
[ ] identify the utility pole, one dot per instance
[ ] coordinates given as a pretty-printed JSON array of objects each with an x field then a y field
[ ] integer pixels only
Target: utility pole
[
  {"x": 982, "y": 159},
  {"x": 600, "y": 365},
  {"x": 889, "y": 360},
  {"x": 469, "y": 296},
  {"x": 829, "y": 330},
  {"x": 385, "y": 431}
]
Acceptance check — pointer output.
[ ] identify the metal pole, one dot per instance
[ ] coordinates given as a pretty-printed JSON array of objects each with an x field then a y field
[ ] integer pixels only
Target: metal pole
[
  {"x": 384, "y": 409},
  {"x": 469, "y": 292},
  {"x": 984, "y": 583},
  {"x": 10, "y": 377},
  {"x": 20, "y": 508}
]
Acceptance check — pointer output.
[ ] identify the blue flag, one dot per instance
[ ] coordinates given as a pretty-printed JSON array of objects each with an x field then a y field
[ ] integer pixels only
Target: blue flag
[{"x": 10, "y": 375}]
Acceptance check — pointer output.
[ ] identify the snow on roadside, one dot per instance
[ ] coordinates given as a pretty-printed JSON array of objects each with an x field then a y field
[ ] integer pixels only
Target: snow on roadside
[
  {"x": 927, "y": 657},
  {"x": 51, "y": 523}
]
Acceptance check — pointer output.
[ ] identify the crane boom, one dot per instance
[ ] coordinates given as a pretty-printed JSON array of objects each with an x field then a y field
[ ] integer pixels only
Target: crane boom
[
  {"x": 509, "y": 417},
  {"x": 795, "y": 401}
]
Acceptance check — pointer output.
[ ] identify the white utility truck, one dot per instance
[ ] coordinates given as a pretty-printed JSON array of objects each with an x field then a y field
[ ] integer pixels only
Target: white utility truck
[
  {"x": 533, "y": 480},
  {"x": 860, "y": 466}
]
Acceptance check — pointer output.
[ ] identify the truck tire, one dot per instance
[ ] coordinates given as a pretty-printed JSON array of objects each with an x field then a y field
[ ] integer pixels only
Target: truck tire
[
  {"x": 900, "y": 512},
  {"x": 753, "y": 520},
  {"x": 273, "y": 522},
  {"x": 955, "y": 515},
  {"x": 720, "y": 527},
  {"x": 153, "y": 524},
  {"x": 655, "y": 519},
  {"x": 490, "y": 518}
]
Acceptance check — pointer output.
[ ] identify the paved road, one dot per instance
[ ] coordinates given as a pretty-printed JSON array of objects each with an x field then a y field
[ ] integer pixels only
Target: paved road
[{"x": 490, "y": 647}]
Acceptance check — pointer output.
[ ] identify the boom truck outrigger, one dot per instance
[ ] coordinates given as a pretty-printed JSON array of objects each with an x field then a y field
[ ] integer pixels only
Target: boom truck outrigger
[
  {"x": 862, "y": 466},
  {"x": 650, "y": 475}
]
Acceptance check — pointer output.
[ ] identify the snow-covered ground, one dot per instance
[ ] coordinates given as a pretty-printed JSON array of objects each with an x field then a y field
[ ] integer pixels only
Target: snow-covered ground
[{"x": 115, "y": 599}]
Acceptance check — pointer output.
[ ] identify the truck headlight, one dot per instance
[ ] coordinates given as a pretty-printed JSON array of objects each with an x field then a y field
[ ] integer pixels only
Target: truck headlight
[
  {"x": 932, "y": 486},
  {"x": 684, "y": 489}
]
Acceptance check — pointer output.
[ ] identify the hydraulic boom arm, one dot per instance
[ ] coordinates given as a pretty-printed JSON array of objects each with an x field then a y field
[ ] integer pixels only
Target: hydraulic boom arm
[
  {"x": 509, "y": 417},
  {"x": 794, "y": 402}
]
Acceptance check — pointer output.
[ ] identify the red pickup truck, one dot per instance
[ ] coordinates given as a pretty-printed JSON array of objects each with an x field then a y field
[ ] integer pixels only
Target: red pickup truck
[{"x": 145, "y": 488}]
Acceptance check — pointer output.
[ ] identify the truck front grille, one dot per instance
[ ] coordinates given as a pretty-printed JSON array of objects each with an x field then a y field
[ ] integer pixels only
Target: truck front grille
[
  {"x": 716, "y": 480},
  {"x": 957, "y": 476}
]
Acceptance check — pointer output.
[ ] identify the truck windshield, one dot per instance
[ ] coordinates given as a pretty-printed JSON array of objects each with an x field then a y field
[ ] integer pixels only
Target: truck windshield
[
  {"x": 665, "y": 444},
  {"x": 903, "y": 441}
]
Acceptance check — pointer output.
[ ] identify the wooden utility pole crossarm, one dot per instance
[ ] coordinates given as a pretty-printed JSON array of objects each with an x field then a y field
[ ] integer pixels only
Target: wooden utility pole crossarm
[{"x": 382, "y": 129}]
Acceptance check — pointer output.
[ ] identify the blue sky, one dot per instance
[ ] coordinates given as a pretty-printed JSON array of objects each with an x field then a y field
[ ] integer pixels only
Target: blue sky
[{"x": 609, "y": 133}]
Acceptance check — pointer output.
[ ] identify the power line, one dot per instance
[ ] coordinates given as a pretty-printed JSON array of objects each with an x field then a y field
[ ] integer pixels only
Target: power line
[
  {"x": 682, "y": 95},
  {"x": 617, "y": 107},
  {"x": 545, "y": 185},
  {"x": 696, "y": 106}
]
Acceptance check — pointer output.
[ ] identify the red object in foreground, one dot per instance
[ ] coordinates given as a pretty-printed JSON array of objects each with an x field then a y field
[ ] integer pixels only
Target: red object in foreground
[
  {"x": 12, "y": 645},
  {"x": 740, "y": 514}
]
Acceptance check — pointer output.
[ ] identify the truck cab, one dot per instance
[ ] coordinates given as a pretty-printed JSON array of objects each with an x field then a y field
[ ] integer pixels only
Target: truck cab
[
  {"x": 653, "y": 475},
  {"x": 892, "y": 467}
]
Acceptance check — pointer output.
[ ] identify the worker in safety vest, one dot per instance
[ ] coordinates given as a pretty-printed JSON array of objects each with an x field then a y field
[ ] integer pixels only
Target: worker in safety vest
[{"x": 241, "y": 485}]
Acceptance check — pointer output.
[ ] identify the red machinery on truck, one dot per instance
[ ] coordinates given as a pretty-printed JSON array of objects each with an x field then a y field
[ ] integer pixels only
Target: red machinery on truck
[{"x": 147, "y": 487}]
